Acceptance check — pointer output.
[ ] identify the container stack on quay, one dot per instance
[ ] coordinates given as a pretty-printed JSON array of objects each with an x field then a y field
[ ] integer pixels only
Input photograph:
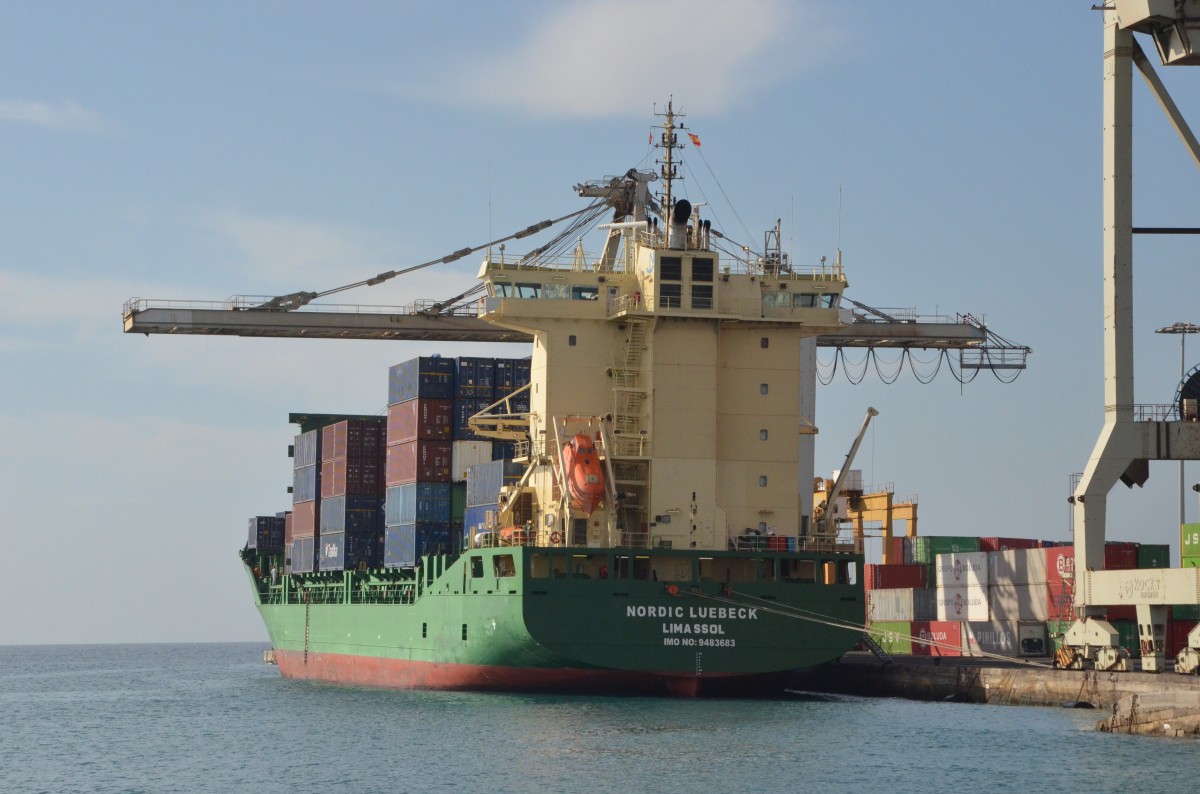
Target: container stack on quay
[
  {"x": 352, "y": 492},
  {"x": 967, "y": 596}
]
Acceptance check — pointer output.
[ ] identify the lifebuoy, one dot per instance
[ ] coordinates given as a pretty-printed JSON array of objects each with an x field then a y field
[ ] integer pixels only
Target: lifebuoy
[{"x": 556, "y": 537}]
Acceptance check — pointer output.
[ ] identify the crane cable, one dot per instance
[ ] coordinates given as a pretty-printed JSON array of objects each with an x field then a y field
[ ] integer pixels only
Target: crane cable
[
  {"x": 824, "y": 620},
  {"x": 295, "y": 300}
]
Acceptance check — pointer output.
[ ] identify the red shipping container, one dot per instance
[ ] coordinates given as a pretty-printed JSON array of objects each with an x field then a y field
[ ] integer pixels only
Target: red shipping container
[
  {"x": 1177, "y": 637},
  {"x": 888, "y": 577},
  {"x": 305, "y": 517},
  {"x": 410, "y": 420},
  {"x": 1120, "y": 556},
  {"x": 895, "y": 551},
  {"x": 1121, "y": 612},
  {"x": 1005, "y": 544},
  {"x": 418, "y": 461},
  {"x": 946, "y": 634},
  {"x": 352, "y": 477},
  {"x": 1060, "y": 564},
  {"x": 353, "y": 438}
]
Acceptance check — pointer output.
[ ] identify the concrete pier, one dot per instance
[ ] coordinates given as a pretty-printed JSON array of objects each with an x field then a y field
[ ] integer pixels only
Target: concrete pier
[{"x": 1161, "y": 698}]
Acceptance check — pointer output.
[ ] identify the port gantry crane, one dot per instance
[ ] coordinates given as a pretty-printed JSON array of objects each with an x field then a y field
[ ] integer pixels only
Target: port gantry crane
[{"x": 1131, "y": 437}]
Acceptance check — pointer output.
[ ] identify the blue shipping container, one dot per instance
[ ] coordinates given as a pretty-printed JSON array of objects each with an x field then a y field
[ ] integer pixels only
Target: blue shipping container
[
  {"x": 480, "y": 518},
  {"x": 405, "y": 544},
  {"x": 418, "y": 503},
  {"x": 476, "y": 377},
  {"x": 464, "y": 409},
  {"x": 349, "y": 550},
  {"x": 429, "y": 378},
  {"x": 302, "y": 558},
  {"x": 357, "y": 514},
  {"x": 511, "y": 374},
  {"x": 485, "y": 479},
  {"x": 306, "y": 483},
  {"x": 266, "y": 533},
  {"x": 307, "y": 450}
]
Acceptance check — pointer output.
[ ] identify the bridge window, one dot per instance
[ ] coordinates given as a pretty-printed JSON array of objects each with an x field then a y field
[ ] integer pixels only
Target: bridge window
[
  {"x": 503, "y": 565},
  {"x": 528, "y": 290},
  {"x": 807, "y": 301},
  {"x": 585, "y": 293},
  {"x": 502, "y": 289},
  {"x": 829, "y": 301},
  {"x": 556, "y": 292},
  {"x": 476, "y": 567}
]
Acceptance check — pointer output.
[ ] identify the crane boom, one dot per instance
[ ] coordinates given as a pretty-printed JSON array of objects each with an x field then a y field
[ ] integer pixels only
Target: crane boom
[{"x": 826, "y": 524}]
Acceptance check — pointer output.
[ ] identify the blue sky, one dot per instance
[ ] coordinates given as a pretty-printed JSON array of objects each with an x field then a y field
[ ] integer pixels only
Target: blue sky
[{"x": 173, "y": 152}]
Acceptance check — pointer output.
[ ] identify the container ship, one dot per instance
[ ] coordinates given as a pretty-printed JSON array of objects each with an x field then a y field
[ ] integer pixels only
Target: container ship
[{"x": 619, "y": 512}]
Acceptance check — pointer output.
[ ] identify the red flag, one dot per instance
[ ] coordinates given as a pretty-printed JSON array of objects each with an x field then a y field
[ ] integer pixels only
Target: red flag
[
  {"x": 695, "y": 139},
  {"x": 651, "y": 136}
]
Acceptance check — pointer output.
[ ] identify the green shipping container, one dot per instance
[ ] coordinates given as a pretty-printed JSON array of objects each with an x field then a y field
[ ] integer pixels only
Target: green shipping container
[
  {"x": 1189, "y": 537},
  {"x": 927, "y": 547},
  {"x": 892, "y": 636},
  {"x": 1182, "y": 612},
  {"x": 458, "y": 502},
  {"x": 1128, "y": 630},
  {"x": 1154, "y": 555},
  {"x": 1056, "y": 629},
  {"x": 1191, "y": 562}
]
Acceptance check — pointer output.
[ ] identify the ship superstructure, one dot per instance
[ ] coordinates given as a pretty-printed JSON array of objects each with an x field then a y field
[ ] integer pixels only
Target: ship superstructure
[{"x": 685, "y": 366}]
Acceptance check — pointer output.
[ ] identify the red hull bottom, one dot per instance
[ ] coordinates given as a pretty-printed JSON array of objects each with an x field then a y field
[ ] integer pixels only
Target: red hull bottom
[{"x": 383, "y": 673}]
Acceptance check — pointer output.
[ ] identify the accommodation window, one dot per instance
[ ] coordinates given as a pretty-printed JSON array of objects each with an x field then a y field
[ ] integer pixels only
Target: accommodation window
[
  {"x": 762, "y": 388},
  {"x": 764, "y": 343},
  {"x": 670, "y": 296},
  {"x": 464, "y": 631},
  {"x": 762, "y": 481},
  {"x": 670, "y": 268},
  {"x": 571, "y": 340},
  {"x": 762, "y": 435}
]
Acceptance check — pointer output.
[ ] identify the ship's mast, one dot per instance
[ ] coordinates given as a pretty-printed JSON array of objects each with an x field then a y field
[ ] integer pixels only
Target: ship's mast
[{"x": 669, "y": 144}]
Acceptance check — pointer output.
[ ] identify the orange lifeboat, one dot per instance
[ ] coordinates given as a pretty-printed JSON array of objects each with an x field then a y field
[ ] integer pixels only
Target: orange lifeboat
[
  {"x": 514, "y": 536},
  {"x": 584, "y": 475}
]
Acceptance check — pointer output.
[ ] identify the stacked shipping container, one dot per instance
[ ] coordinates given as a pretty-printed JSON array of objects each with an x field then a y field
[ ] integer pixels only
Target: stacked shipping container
[
  {"x": 1005, "y": 596},
  {"x": 306, "y": 493},
  {"x": 352, "y": 491},
  {"x": 419, "y": 446}
]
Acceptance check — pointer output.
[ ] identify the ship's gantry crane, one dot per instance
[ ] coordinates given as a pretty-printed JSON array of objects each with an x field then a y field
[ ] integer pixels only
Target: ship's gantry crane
[{"x": 1127, "y": 442}]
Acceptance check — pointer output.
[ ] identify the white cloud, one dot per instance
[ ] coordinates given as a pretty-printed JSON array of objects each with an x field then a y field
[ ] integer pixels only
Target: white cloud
[
  {"x": 61, "y": 115},
  {"x": 603, "y": 57}
]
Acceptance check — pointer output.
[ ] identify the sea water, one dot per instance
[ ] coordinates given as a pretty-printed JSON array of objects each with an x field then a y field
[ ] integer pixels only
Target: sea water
[{"x": 165, "y": 718}]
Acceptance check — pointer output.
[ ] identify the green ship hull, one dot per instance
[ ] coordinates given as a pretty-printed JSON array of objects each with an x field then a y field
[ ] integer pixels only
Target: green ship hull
[{"x": 567, "y": 620}]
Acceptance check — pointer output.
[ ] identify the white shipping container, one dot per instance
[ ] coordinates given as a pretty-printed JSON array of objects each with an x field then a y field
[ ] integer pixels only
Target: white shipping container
[
  {"x": 902, "y": 603},
  {"x": 464, "y": 454},
  {"x": 962, "y": 569},
  {"x": 992, "y": 636},
  {"x": 1019, "y": 601},
  {"x": 1017, "y": 566},
  {"x": 962, "y": 603},
  {"x": 1032, "y": 639}
]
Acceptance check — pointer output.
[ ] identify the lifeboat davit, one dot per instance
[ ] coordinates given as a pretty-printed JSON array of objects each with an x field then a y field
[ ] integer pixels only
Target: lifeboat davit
[{"x": 584, "y": 475}]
